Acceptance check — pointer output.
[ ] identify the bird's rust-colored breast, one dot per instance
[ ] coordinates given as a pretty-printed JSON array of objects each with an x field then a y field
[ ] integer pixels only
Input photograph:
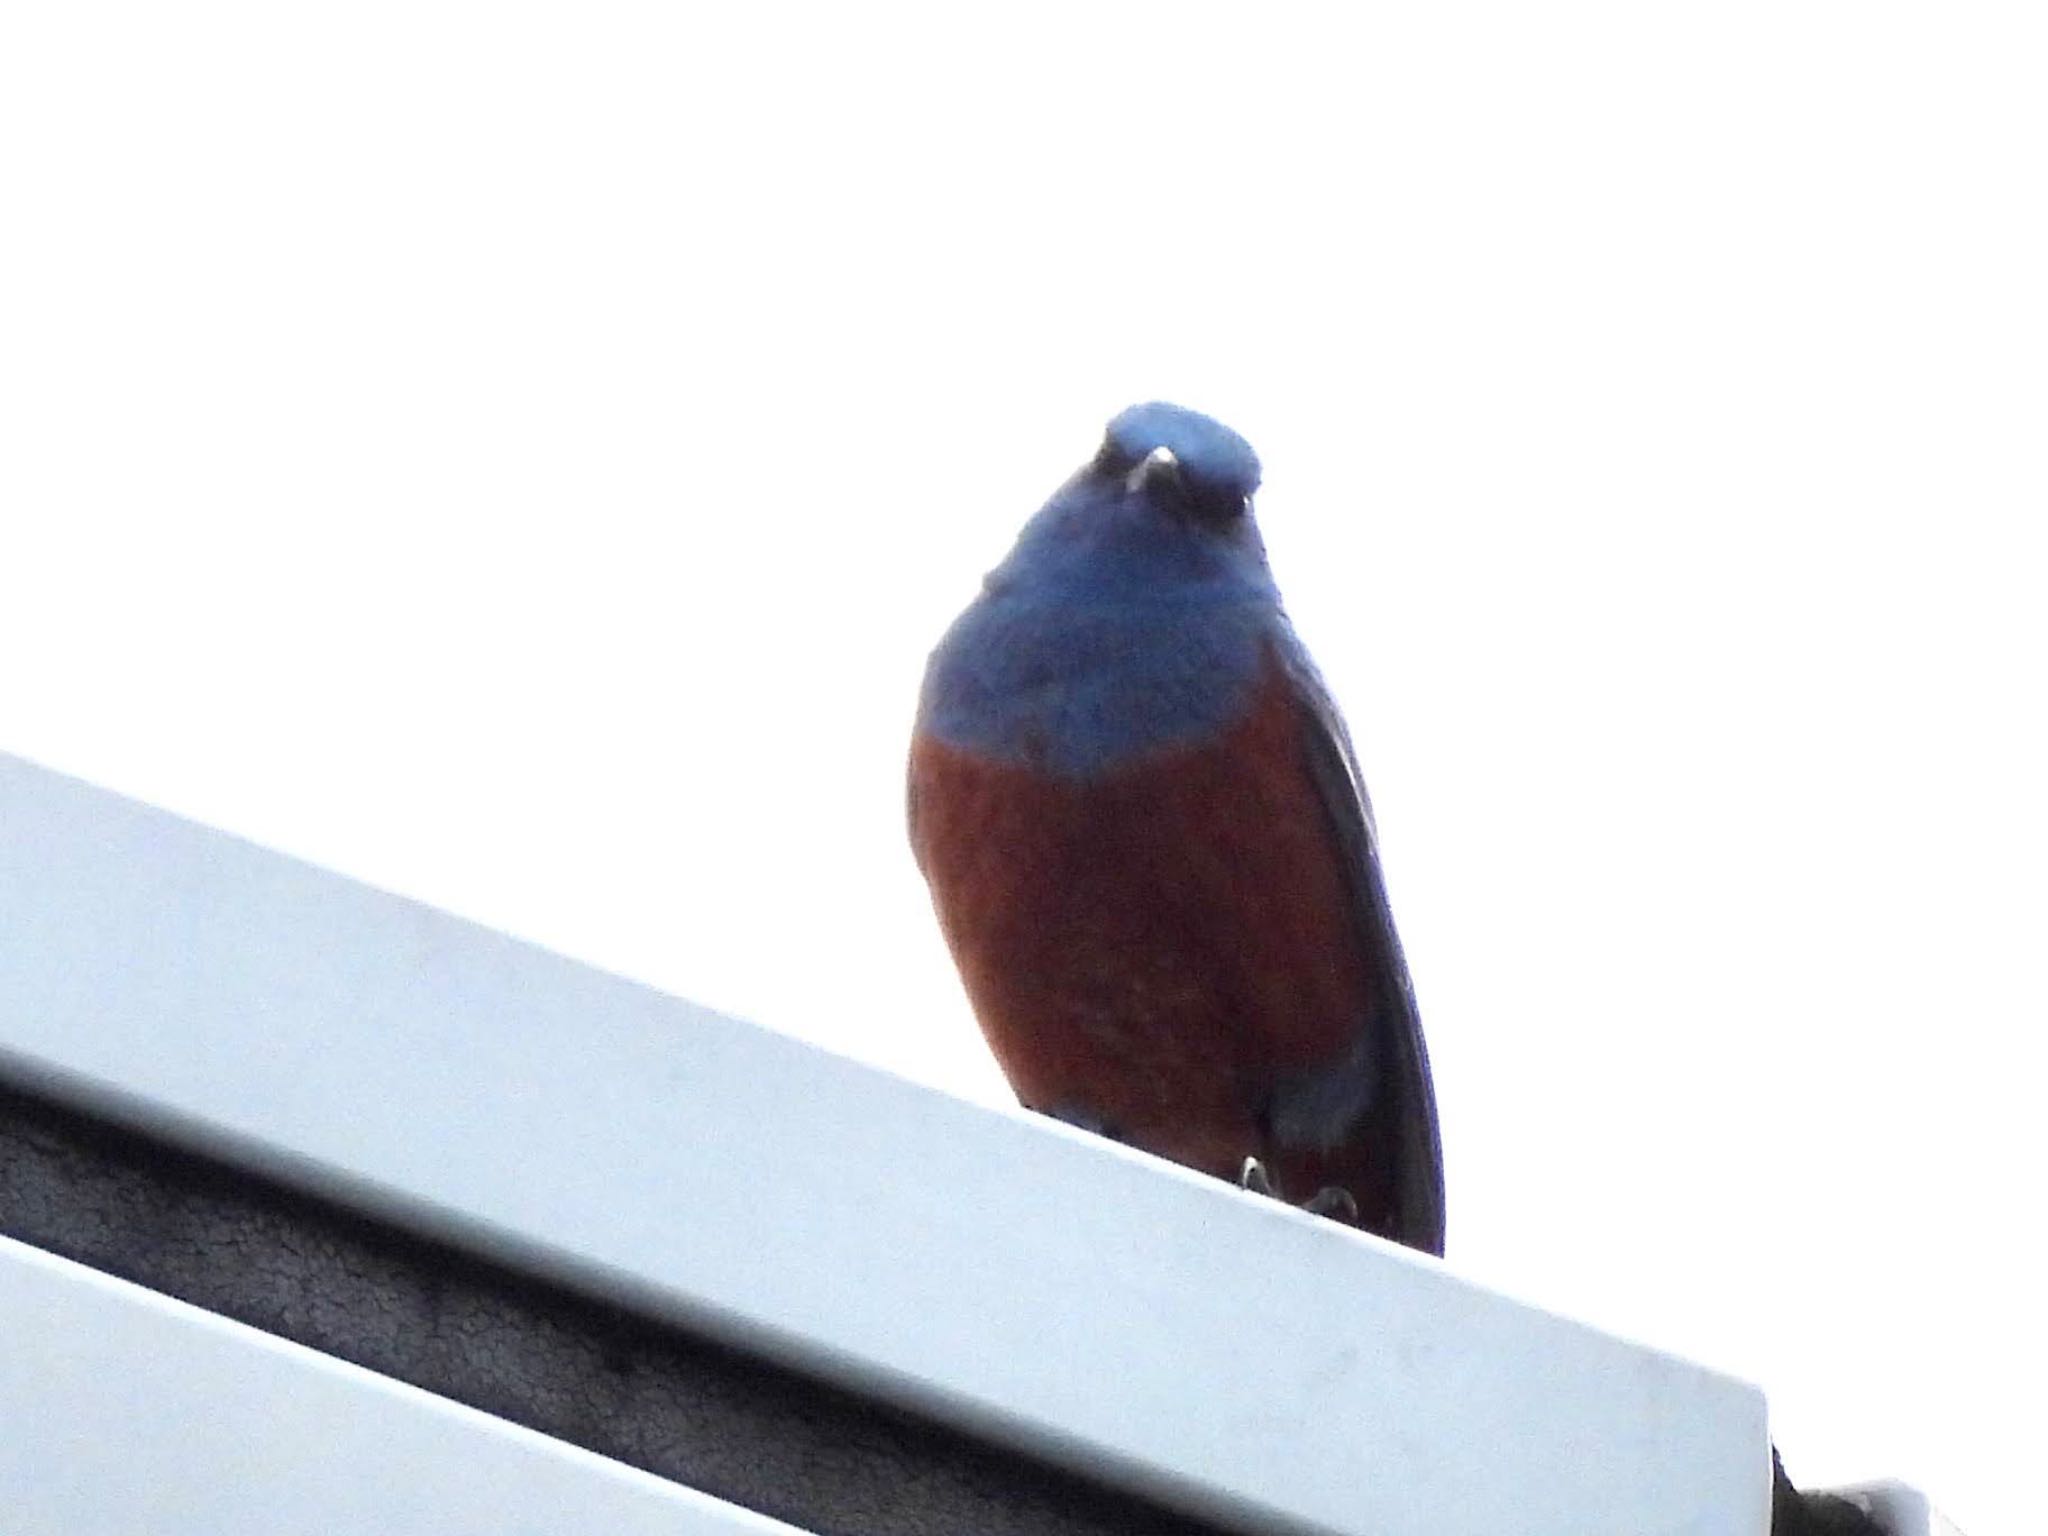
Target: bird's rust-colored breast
[{"x": 1152, "y": 949}]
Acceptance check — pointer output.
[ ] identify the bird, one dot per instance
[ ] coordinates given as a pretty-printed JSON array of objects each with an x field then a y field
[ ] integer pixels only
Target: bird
[{"x": 1150, "y": 850}]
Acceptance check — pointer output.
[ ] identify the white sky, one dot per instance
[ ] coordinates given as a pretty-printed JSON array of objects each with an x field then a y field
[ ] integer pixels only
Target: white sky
[{"x": 520, "y": 456}]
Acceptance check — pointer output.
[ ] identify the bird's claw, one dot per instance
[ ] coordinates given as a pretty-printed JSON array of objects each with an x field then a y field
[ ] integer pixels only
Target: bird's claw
[
  {"x": 1332, "y": 1200},
  {"x": 1335, "y": 1202}
]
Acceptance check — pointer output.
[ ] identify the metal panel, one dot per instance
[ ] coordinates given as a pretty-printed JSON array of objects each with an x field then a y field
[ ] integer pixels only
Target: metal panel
[
  {"x": 535, "y": 1351},
  {"x": 126, "y": 1411},
  {"x": 1076, "y": 1299}
]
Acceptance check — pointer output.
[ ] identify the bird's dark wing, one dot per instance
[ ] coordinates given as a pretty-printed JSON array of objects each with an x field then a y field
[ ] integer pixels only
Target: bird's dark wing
[{"x": 1395, "y": 1031}]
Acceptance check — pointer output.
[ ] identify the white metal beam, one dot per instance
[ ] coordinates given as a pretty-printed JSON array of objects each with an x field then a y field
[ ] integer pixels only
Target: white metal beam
[
  {"x": 127, "y": 1411},
  {"x": 1076, "y": 1299}
]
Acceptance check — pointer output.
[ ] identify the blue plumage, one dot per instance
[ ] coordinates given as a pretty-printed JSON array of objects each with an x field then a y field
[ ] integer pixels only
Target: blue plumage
[
  {"x": 1127, "y": 621},
  {"x": 1208, "y": 450}
]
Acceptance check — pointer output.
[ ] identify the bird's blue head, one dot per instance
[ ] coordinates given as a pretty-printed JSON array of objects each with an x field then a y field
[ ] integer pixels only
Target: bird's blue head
[
  {"x": 1189, "y": 459},
  {"x": 1135, "y": 613},
  {"x": 1162, "y": 512}
]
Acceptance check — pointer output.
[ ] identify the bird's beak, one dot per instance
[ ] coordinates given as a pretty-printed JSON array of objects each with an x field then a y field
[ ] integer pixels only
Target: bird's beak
[{"x": 1160, "y": 461}]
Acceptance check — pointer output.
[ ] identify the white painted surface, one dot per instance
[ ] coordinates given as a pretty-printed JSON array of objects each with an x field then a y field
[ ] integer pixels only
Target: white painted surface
[
  {"x": 129, "y": 1412},
  {"x": 1074, "y": 1298}
]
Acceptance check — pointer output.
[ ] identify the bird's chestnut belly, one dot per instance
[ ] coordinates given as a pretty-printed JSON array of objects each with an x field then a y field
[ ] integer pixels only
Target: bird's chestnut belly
[{"x": 1150, "y": 949}]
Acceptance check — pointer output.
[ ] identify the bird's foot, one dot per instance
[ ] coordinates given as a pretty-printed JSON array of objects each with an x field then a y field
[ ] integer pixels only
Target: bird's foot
[
  {"x": 1332, "y": 1200},
  {"x": 1335, "y": 1202}
]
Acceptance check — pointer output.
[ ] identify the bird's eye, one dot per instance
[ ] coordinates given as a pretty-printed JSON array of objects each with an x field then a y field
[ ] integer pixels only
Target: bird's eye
[
  {"x": 1112, "y": 458},
  {"x": 1218, "y": 508}
]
